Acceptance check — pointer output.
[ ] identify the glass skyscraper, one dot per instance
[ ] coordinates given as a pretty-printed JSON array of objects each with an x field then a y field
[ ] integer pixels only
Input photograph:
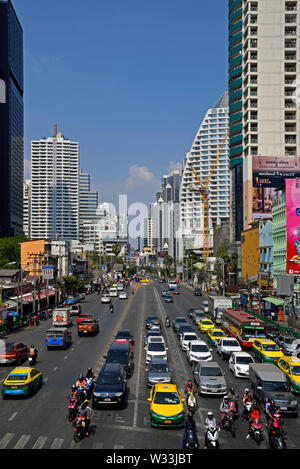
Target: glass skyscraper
[{"x": 11, "y": 122}]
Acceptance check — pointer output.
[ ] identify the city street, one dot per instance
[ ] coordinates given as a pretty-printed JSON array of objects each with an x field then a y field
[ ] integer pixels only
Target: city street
[{"x": 40, "y": 421}]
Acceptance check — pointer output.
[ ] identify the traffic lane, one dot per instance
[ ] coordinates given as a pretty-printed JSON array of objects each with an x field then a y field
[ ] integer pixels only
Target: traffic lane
[
  {"x": 212, "y": 403},
  {"x": 291, "y": 424},
  {"x": 50, "y": 401},
  {"x": 131, "y": 426}
]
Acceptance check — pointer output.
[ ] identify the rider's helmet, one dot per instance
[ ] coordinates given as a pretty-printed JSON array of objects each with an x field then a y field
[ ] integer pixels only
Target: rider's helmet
[
  {"x": 81, "y": 377},
  {"x": 226, "y": 399},
  {"x": 89, "y": 371},
  {"x": 190, "y": 383},
  {"x": 246, "y": 391},
  {"x": 231, "y": 390},
  {"x": 84, "y": 404},
  {"x": 210, "y": 415}
]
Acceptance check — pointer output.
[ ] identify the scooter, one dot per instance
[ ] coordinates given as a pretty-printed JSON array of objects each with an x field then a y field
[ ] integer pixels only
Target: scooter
[
  {"x": 168, "y": 323},
  {"x": 90, "y": 385},
  {"x": 191, "y": 403},
  {"x": 79, "y": 429},
  {"x": 276, "y": 434},
  {"x": 228, "y": 424},
  {"x": 212, "y": 438},
  {"x": 247, "y": 409},
  {"x": 191, "y": 440},
  {"x": 72, "y": 406},
  {"x": 32, "y": 360},
  {"x": 255, "y": 431}
]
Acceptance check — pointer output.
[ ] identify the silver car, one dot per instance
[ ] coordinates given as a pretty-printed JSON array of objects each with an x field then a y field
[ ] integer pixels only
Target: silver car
[
  {"x": 158, "y": 371},
  {"x": 209, "y": 378}
]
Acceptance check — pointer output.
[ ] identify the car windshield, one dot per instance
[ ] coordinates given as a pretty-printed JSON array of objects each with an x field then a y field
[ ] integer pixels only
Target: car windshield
[
  {"x": 154, "y": 347},
  {"x": 154, "y": 334},
  {"x": 152, "y": 318},
  {"x": 117, "y": 356},
  {"x": 270, "y": 348},
  {"x": 109, "y": 378},
  {"x": 181, "y": 321},
  {"x": 158, "y": 368},
  {"x": 289, "y": 340},
  {"x": 166, "y": 398},
  {"x": 123, "y": 335},
  {"x": 295, "y": 370},
  {"x": 211, "y": 371},
  {"x": 218, "y": 333},
  {"x": 206, "y": 323},
  {"x": 199, "y": 348},
  {"x": 190, "y": 337},
  {"x": 17, "y": 377},
  {"x": 275, "y": 386},
  {"x": 230, "y": 343},
  {"x": 244, "y": 360}
]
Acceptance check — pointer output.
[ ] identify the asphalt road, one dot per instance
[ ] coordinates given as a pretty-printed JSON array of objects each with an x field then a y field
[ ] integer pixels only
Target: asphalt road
[{"x": 40, "y": 421}]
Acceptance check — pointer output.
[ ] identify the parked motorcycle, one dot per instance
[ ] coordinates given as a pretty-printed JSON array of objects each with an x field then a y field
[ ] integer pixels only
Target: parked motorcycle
[
  {"x": 72, "y": 407},
  {"x": 212, "y": 438},
  {"x": 255, "y": 431}
]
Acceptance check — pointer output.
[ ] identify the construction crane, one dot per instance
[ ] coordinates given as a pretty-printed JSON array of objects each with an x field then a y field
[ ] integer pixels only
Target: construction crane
[{"x": 203, "y": 190}]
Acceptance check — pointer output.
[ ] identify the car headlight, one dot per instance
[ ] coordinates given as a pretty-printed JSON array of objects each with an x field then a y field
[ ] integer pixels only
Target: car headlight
[
  {"x": 97, "y": 394},
  {"x": 118, "y": 394},
  {"x": 294, "y": 403}
]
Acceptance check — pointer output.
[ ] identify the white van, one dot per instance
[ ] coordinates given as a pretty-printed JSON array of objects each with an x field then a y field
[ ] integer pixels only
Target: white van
[{"x": 113, "y": 291}]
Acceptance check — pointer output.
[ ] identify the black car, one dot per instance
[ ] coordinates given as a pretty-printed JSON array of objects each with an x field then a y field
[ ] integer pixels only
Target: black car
[
  {"x": 111, "y": 386},
  {"x": 184, "y": 328},
  {"x": 179, "y": 321},
  {"x": 152, "y": 320},
  {"x": 168, "y": 299},
  {"x": 121, "y": 353},
  {"x": 198, "y": 292},
  {"x": 125, "y": 334}
]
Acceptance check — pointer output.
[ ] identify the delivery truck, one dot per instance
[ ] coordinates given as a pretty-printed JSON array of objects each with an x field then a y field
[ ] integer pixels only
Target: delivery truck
[
  {"x": 216, "y": 306},
  {"x": 61, "y": 317}
]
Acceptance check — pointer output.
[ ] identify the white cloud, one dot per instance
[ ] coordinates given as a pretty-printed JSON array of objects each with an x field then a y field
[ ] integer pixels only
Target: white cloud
[
  {"x": 174, "y": 165},
  {"x": 139, "y": 175}
]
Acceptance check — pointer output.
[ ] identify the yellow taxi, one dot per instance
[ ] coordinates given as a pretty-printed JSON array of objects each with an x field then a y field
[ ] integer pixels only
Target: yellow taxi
[
  {"x": 166, "y": 406},
  {"x": 22, "y": 382},
  {"x": 205, "y": 325},
  {"x": 144, "y": 280},
  {"x": 213, "y": 335},
  {"x": 266, "y": 351},
  {"x": 291, "y": 368}
]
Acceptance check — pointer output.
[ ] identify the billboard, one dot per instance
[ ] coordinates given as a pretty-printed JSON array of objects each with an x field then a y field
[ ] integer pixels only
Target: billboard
[
  {"x": 292, "y": 226},
  {"x": 271, "y": 171},
  {"x": 48, "y": 272}
]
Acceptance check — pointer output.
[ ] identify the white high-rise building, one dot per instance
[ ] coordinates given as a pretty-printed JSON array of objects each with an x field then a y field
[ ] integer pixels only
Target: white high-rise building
[
  {"x": 202, "y": 157},
  {"x": 55, "y": 188},
  {"x": 26, "y": 207}
]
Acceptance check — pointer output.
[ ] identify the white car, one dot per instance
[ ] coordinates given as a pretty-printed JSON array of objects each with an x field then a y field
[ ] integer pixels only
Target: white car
[
  {"x": 105, "y": 298},
  {"x": 226, "y": 346},
  {"x": 186, "y": 338},
  {"x": 198, "y": 351},
  {"x": 155, "y": 350},
  {"x": 123, "y": 295},
  {"x": 120, "y": 287},
  {"x": 157, "y": 339},
  {"x": 239, "y": 364}
]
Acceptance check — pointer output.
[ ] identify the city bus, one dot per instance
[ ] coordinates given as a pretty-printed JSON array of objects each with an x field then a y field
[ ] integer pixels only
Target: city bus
[
  {"x": 243, "y": 326},
  {"x": 172, "y": 284}
]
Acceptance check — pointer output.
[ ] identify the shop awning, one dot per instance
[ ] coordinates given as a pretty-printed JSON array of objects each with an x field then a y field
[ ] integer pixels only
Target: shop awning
[{"x": 274, "y": 301}]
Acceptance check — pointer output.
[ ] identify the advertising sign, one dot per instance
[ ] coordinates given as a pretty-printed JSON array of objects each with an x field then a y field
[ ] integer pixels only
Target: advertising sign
[
  {"x": 48, "y": 272},
  {"x": 271, "y": 171},
  {"x": 293, "y": 226}
]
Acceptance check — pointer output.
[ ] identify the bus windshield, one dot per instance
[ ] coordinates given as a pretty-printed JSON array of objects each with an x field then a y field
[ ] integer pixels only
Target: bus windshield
[{"x": 249, "y": 332}]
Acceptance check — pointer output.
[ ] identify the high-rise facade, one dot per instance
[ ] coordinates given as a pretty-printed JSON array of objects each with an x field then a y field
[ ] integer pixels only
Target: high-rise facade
[
  {"x": 11, "y": 121},
  {"x": 209, "y": 141},
  {"x": 55, "y": 188},
  {"x": 27, "y": 207},
  {"x": 88, "y": 201},
  {"x": 263, "y": 116}
]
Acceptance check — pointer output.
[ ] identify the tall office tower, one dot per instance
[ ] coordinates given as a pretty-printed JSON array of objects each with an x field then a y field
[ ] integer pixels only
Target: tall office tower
[
  {"x": 202, "y": 157},
  {"x": 26, "y": 207},
  {"x": 263, "y": 118},
  {"x": 55, "y": 188},
  {"x": 170, "y": 186},
  {"x": 11, "y": 121},
  {"x": 88, "y": 201}
]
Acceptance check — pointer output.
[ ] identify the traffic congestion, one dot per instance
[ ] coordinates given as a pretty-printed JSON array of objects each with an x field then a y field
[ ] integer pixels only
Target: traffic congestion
[{"x": 158, "y": 370}]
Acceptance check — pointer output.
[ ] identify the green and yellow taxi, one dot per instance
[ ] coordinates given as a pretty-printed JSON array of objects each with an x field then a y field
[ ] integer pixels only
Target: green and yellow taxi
[
  {"x": 22, "y": 382},
  {"x": 266, "y": 351},
  {"x": 291, "y": 368},
  {"x": 204, "y": 325},
  {"x": 213, "y": 335},
  {"x": 166, "y": 406}
]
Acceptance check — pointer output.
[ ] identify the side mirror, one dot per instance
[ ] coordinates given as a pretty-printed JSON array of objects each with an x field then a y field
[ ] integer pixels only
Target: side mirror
[
  {"x": 149, "y": 399},
  {"x": 105, "y": 356}
]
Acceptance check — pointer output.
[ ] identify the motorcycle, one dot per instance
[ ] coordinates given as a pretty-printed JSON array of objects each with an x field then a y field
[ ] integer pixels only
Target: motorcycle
[
  {"x": 276, "y": 434},
  {"x": 247, "y": 409},
  {"x": 32, "y": 360},
  {"x": 72, "y": 406},
  {"x": 168, "y": 323},
  {"x": 111, "y": 307},
  {"x": 212, "y": 438},
  {"x": 228, "y": 424},
  {"x": 255, "y": 431},
  {"x": 79, "y": 429},
  {"x": 191, "y": 403},
  {"x": 191, "y": 440},
  {"x": 90, "y": 385}
]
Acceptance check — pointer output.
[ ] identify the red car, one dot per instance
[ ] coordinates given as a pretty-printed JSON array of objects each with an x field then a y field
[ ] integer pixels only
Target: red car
[
  {"x": 15, "y": 352},
  {"x": 176, "y": 292},
  {"x": 83, "y": 316}
]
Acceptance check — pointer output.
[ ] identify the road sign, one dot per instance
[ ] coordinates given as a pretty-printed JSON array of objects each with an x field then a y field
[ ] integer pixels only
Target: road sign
[
  {"x": 104, "y": 267},
  {"x": 48, "y": 272}
]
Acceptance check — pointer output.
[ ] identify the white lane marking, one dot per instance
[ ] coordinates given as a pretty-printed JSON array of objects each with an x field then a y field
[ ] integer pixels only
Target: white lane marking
[
  {"x": 22, "y": 441},
  {"x": 57, "y": 443},
  {"x": 118, "y": 447},
  {"x": 65, "y": 357},
  {"x": 72, "y": 350},
  {"x": 6, "y": 440},
  {"x": 40, "y": 442},
  {"x": 55, "y": 368},
  {"x": 12, "y": 417},
  {"x": 45, "y": 380}
]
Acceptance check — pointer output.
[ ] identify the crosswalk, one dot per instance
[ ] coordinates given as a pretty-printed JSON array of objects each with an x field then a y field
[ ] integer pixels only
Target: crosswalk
[{"x": 15, "y": 441}]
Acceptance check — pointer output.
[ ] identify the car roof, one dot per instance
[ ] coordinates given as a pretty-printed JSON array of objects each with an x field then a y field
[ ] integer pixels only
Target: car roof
[
  {"x": 119, "y": 346},
  {"x": 162, "y": 387},
  {"x": 198, "y": 342},
  {"x": 189, "y": 333},
  {"x": 265, "y": 341},
  {"x": 21, "y": 369},
  {"x": 210, "y": 364},
  {"x": 158, "y": 361},
  {"x": 111, "y": 368},
  {"x": 292, "y": 360},
  {"x": 180, "y": 317},
  {"x": 241, "y": 354}
]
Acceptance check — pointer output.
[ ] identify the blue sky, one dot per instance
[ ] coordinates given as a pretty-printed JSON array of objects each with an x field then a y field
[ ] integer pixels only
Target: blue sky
[{"x": 130, "y": 80}]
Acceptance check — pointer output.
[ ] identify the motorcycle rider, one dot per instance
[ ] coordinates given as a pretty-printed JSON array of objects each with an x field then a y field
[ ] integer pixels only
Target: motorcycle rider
[
  {"x": 167, "y": 321},
  {"x": 189, "y": 425},
  {"x": 209, "y": 422},
  {"x": 90, "y": 374},
  {"x": 254, "y": 415},
  {"x": 189, "y": 387},
  {"x": 233, "y": 398},
  {"x": 33, "y": 352},
  {"x": 111, "y": 307},
  {"x": 271, "y": 409},
  {"x": 225, "y": 408},
  {"x": 247, "y": 398},
  {"x": 73, "y": 394},
  {"x": 86, "y": 412},
  {"x": 81, "y": 387}
]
